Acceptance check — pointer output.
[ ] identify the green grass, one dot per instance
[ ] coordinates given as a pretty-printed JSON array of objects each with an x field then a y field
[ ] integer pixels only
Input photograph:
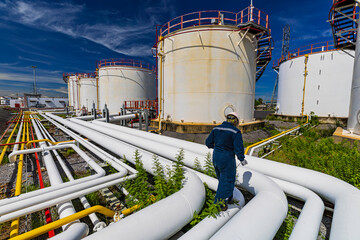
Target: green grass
[{"x": 316, "y": 150}]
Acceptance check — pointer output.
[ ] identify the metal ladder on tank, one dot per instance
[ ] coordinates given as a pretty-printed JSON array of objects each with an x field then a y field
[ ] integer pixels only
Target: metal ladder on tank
[
  {"x": 264, "y": 48},
  {"x": 342, "y": 17}
]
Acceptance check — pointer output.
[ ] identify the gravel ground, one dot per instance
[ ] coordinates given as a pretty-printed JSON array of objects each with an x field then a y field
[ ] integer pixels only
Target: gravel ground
[{"x": 280, "y": 125}]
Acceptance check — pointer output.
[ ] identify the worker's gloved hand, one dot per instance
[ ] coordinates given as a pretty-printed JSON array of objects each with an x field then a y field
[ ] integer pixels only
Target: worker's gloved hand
[{"x": 243, "y": 162}]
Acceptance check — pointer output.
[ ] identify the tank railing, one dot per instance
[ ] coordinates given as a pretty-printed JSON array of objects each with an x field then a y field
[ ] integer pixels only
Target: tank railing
[
  {"x": 124, "y": 62},
  {"x": 87, "y": 75},
  {"x": 142, "y": 104},
  {"x": 308, "y": 49},
  {"x": 252, "y": 14},
  {"x": 215, "y": 17}
]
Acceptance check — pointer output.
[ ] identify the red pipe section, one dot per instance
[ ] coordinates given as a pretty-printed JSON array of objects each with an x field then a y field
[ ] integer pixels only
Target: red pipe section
[{"x": 9, "y": 144}]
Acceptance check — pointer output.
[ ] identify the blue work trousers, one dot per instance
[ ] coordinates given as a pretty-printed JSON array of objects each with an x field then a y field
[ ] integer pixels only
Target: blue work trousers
[{"x": 225, "y": 168}]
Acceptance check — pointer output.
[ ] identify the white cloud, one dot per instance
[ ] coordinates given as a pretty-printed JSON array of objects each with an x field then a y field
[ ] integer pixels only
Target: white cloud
[
  {"x": 34, "y": 60},
  {"x": 123, "y": 38},
  {"x": 62, "y": 90}
]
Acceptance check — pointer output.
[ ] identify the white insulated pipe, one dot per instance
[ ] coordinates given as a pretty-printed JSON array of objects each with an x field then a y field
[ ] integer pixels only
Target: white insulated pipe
[
  {"x": 210, "y": 225},
  {"x": 345, "y": 197},
  {"x": 201, "y": 149},
  {"x": 106, "y": 157},
  {"x": 94, "y": 219},
  {"x": 186, "y": 145},
  {"x": 117, "y": 118},
  {"x": 353, "y": 123},
  {"x": 64, "y": 209},
  {"x": 87, "y": 117},
  {"x": 20, "y": 208},
  {"x": 308, "y": 224},
  {"x": 18, "y": 136},
  {"x": 124, "y": 149},
  {"x": 76, "y": 232},
  {"x": 153, "y": 222},
  {"x": 91, "y": 162},
  {"x": 271, "y": 195}
]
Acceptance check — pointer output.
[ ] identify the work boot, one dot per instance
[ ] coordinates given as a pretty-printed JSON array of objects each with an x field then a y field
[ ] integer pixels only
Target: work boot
[{"x": 224, "y": 207}]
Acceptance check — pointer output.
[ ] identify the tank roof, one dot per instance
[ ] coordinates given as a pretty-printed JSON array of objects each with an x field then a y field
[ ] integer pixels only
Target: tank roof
[
  {"x": 124, "y": 62},
  {"x": 66, "y": 75},
  {"x": 308, "y": 49},
  {"x": 216, "y": 17}
]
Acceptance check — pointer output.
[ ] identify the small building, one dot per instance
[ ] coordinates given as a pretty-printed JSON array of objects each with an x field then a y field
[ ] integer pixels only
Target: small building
[
  {"x": 4, "y": 101},
  {"x": 36, "y": 101},
  {"x": 17, "y": 102}
]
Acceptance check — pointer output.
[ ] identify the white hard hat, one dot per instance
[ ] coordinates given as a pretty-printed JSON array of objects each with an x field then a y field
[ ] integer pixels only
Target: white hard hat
[{"x": 234, "y": 114}]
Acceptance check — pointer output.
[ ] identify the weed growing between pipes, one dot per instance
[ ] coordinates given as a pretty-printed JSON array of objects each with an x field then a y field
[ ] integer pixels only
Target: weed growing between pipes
[
  {"x": 166, "y": 182},
  {"x": 210, "y": 209},
  {"x": 287, "y": 226}
]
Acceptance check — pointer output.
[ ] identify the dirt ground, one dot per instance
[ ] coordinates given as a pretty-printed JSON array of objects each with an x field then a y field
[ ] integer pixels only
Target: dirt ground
[{"x": 5, "y": 116}]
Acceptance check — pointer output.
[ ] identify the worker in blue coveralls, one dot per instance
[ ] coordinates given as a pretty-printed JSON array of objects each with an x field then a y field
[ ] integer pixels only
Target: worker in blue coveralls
[{"x": 226, "y": 140}]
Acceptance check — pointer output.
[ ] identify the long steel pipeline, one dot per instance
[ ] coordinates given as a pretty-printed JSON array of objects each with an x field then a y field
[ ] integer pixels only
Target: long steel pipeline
[
  {"x": 186, "y": 201},
  {"x": 201, "y": 149},
  {"x": 265, "y": 189},
  {"x": 94, "y": 219},
  {"x": 66, "y": 208},
  {"x": 154, "y": 220}
]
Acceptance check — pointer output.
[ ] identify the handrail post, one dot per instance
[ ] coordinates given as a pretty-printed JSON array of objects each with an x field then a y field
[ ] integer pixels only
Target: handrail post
[
  {"x": 199, "y": 18},
  {"x": 182, "y": 20},
  {"x": 251, "y": 13}
]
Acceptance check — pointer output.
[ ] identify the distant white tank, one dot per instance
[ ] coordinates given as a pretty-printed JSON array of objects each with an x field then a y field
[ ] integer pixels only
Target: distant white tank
[
  {"x": 328, "y": 82},
  {"x": 87, "y": 90},
  {"x": 123, "y": 80},
  {"x": 73, "y": 89},
  {"x": 208, "y": 68}
]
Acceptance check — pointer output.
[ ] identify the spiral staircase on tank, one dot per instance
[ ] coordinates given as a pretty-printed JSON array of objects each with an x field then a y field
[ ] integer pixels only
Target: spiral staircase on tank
[{"x": 342, "y": 17}]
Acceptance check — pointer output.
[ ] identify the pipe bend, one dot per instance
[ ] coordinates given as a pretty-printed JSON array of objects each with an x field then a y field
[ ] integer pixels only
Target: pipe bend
[{"x": 154, "y": 220}]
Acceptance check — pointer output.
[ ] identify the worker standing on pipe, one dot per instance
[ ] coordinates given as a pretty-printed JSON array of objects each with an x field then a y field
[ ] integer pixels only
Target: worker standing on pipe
[{"x": 226, "y": 140}]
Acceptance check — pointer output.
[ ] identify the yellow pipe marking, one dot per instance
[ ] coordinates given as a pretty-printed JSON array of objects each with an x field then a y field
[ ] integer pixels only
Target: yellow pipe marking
[
  {"x": 56, "y": 224},
  {"x": 48, "y": 140},
  {"x": 15, "y": 224},
  {"x": 252, "y": 145}
]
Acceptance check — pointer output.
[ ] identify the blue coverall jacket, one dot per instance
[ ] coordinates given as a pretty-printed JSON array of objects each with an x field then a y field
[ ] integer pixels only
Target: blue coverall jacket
[{"x": 226, "y": 140}]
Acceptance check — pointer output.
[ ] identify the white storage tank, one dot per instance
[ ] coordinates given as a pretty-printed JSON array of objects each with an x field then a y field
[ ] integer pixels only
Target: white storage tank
[
  {"x": 87, "y": 90},
  {"x": 123, "y": 80},
  {"x": 207, "y": 65},
  {"x": 328, "y": 82},
  {"x": 73, "y": 89}
]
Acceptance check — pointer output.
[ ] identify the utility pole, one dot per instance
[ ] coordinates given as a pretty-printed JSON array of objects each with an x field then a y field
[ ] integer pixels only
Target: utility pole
[{"x": 34, "y": 67}]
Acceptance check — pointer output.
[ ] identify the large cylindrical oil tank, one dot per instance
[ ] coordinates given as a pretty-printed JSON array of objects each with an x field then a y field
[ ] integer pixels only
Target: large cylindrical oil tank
[
  {"x": 87, "y": 90},
  {"x": 123, "y": 80},
  {"x": 207, "y": 70},
  {"x": 327, "y": 86}
]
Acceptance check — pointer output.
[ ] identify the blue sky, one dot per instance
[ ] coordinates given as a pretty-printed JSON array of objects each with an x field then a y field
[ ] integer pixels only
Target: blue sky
[{"x": 70, "y": 36}]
